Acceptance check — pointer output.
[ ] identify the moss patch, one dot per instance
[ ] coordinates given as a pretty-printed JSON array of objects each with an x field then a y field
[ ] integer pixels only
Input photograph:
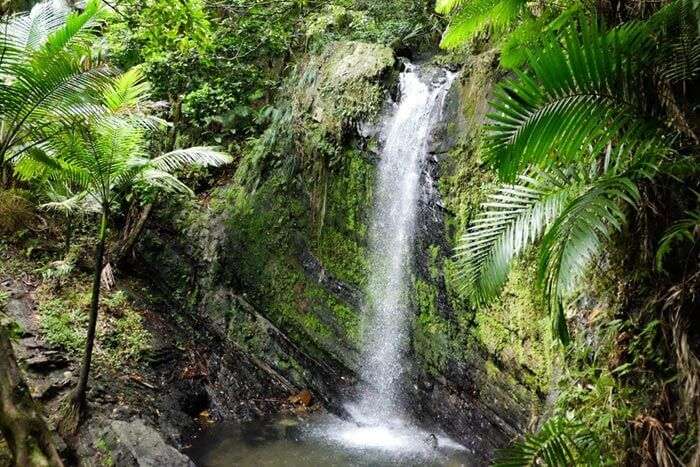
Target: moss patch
[{"x": 121, "y": 339}]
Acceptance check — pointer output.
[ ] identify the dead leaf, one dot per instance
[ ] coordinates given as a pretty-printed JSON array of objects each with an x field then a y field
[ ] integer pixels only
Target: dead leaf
[{"x": 303, "y": 398}]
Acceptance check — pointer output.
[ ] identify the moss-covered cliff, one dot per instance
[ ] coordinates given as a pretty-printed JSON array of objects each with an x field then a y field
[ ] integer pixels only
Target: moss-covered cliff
[{"x": 270, "y": 251}]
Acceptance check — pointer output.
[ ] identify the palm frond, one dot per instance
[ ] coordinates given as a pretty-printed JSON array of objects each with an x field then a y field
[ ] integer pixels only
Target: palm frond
[
  {"x": 162, "y": 180},
  {"x": 446, "y": 6},
  {"x": 531, "y": 32},
  {"x": 577, "y": 236},
  {"x": 126, "y": 92},
  {"x": 78, "y": 27},
  {"x": 30, "y": 31},
  {"x": 582, "y": 91},
  {"x": 202, "y": 155},
  {"x": 477, "y": 16},
  {"x": 513, "y": 218},
  {"x": 81, "y": 202},
  {"x": 559, "y": 443}
]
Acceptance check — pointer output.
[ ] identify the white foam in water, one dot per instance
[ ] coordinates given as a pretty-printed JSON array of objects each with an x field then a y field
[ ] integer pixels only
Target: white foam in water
[{"x": 397, "y": 438}]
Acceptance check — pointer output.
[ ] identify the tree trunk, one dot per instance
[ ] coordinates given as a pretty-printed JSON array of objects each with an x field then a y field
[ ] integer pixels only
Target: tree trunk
[
  {"x": 74, "y": 409},
  {"x": 21, "y": 423}
]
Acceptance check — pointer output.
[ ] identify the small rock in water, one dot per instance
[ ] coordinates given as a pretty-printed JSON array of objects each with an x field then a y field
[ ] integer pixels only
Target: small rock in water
[
  {"x": 432, "y": 441},
  {"x": 287, "y": 422}
]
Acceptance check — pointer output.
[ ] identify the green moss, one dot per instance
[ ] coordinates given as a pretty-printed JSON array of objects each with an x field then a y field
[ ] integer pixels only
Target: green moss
[
  {"x": 105, "y": 453},
  {"x": 121, "y": 338},
  {"x": 426, "y": 297},
  {"x": 433, "y": 336},
  {"x": 341, "y": 244},
  {"x": 5, "y": 454},
  {"x": 515, "y": 328},
  {"x": 64, "y": 321},
  {"x": 434, "y": 261}
]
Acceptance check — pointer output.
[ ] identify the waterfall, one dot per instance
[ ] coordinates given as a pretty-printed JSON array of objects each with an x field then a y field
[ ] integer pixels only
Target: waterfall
[
  {"x": 380, "y": 420},
  {"x": 406, "y": 137}
]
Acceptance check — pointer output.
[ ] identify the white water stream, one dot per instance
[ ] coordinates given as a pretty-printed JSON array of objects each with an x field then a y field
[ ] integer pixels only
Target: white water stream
[
  {"x": 387, "y": 315},
  {"x": 380, "y": 411}
]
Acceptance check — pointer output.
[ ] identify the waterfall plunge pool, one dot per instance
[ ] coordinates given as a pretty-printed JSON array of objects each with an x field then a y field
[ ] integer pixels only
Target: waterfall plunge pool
[{"x": 322, "y": 439}]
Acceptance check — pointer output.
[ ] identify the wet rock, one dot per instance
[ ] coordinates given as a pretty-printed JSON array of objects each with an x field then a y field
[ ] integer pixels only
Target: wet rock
[
  {"x": 136, "y": 444},
  {"x": 46, "y": 362},
  {"x": 50, "y": 389},
  {"x": 314, "y": 269}
]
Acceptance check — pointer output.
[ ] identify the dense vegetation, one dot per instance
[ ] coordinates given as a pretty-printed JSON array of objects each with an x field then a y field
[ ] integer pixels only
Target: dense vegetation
[{"x": 574, "y": 201}]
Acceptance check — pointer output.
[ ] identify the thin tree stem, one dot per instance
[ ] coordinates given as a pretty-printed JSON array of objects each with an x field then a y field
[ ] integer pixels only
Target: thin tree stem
[{"x": 89, "y": 343}]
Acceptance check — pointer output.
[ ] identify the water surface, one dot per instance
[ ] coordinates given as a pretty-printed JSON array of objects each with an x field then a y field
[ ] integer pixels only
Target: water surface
[{"x": 322, "y": 440}]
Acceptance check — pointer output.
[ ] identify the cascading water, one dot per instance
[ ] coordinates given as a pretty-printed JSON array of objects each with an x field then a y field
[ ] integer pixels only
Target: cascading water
[
  {"x": 406, "y": 137},
  {"x": 381, "y": 419}
]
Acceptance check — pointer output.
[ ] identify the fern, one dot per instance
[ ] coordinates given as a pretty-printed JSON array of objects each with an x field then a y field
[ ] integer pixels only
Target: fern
[
  {"x": 46, "y": 87},
  {"x": 577, "y": 236},
  {"x": 572, "y": 215},
  {"x": 513, "y": 218},
  {"x": 582, "y": 104},
  {"x": 531, "y": 32},
  {"x": 684, "y": 230},
  {"x": 583, "y": 90},
  {"x": 559, "y": 442},
  {"x": 679, "y": 56}
]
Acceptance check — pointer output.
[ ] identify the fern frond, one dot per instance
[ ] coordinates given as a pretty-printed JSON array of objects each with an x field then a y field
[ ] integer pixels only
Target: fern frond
[
  {"x": 444, "y": 7},
  {"x": 126, "y": 92},
  {"x": 202, "y": 156},
  {"x": 162, "y": 180},
  {"x": 78, "y": 29},
  {"x": 30, "y": 31},
  {"x": 81, "y": 202},
  {"x": 686, "y": 229}
]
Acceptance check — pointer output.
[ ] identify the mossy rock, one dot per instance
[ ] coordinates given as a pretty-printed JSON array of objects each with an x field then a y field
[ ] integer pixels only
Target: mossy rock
[{"x": 343, "y": 85}]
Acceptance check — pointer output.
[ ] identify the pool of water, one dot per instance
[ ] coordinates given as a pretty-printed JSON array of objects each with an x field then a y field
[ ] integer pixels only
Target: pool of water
[{"x": 323, "y": 440}]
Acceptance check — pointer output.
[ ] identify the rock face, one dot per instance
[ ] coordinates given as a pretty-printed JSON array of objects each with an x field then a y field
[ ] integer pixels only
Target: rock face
[
  {"x": 342, "y": 85},
  {"x": 287, "y": 289}
]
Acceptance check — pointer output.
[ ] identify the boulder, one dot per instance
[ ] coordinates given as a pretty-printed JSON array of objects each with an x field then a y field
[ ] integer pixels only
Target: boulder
[{"x": 134, "y": 443}]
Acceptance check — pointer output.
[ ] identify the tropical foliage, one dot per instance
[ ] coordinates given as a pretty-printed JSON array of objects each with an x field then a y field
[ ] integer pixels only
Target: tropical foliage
[
  {"x": 514, "y": 26},
  {"x": 588, "y": 160},
  {"x": 581, "y": 129},
  {"x": 106, "y": 158},
  {"x": 559, "y": 443},
  {"x": 47, "y": 86}
]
